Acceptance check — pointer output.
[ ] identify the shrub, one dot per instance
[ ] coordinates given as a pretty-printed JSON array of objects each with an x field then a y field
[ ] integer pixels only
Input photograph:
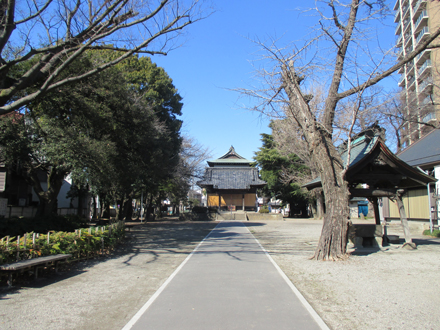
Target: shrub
[
  {"x": 264, "y": 209},
  {"x": 82, "y": 243},
  {"x": 435, "y": 233}
]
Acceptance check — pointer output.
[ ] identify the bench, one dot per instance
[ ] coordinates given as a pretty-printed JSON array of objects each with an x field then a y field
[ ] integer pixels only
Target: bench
[{"x": 21, "y": 266}]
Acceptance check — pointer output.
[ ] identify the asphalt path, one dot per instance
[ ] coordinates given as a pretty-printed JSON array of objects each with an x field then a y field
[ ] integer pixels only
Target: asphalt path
[{"x": 228, "y": 282}]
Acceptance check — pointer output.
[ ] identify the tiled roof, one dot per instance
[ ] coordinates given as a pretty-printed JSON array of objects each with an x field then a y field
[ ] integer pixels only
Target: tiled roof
[
  {"x": 423, "y": 152},
  {"x": 231, "y": 178},
  {"x": 231, "y": 157}
]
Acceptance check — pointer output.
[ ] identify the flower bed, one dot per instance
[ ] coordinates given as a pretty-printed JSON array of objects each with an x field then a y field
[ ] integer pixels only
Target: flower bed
[{"x": 83, "y": 243}]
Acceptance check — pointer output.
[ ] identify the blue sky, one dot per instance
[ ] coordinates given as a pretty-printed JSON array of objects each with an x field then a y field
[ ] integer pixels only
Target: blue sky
[{"x": 217, "y": 56}]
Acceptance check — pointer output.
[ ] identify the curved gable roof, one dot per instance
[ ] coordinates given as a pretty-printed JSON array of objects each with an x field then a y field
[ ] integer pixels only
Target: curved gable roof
[{"x": 231, "y": 158}]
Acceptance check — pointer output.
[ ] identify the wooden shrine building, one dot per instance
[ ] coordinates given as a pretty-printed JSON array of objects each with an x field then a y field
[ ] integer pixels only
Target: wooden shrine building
[
  {"x": 381, "y": 173},
  {"x": 231, "y": 183}
]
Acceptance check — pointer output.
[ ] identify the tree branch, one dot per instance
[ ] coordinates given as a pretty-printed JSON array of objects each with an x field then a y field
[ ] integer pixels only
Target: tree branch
[{"x": 421, "y": 47}]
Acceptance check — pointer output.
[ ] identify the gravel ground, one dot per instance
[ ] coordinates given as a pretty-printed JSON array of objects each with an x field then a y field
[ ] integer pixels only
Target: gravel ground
[{"x": 390, "y": 288}]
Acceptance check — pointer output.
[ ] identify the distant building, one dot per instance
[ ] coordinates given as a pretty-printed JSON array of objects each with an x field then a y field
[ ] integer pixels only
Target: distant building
[
  {"x": 420, "y": 78},
  {"x": 231, "y": 183},
  {"x": 195, "y": 195}
]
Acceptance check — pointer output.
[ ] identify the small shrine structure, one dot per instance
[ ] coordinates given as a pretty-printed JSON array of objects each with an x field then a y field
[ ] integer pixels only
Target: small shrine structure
[
  {"x": 381, "y": 174},
  {"x": 231, "y": 183}
]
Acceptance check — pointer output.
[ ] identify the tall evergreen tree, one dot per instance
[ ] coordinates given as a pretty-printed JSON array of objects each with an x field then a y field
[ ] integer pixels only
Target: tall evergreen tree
[
  {"x": 274, "y": 168},
  {"x": 113, "y": 132}
]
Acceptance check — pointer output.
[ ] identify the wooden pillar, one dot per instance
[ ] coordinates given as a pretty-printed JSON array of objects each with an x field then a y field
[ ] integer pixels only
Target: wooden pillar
[
  {"x": 243, "y": 201},
  {"x": 373, "y": 201},
  {"x": 403, "y": 217},
  {"x": 219, "y": 202}
]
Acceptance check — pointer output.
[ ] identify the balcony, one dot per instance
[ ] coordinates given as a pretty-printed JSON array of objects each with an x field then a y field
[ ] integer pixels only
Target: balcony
[
  {"x": 406, "y": 25},
  {"x": 422, "y": 35},
  {"x": 399, "y": 53},
  {"x": 411, "y": 85},
  {"x": 408, "y": 39},
  {"x": 401, "y": 70},
  {"x": 398, "y": 28},
  {"x": 397, "y": 17},
  {"x": 430, "y": 116},
  {"x": 401, "y": 82},
  {"x": 421, "y": 21},
  {"x": 405, "y": 11},
  {"x": 423, "y": 56},
  {"x": 425, "y": 68},
  {"x": 399, "y": 41},
  {"x": 420, "y": 5},
  {"x": 396, "y": 5},
  {"x": 427, "y": 101},
  {"x": 425, "y": 86}
]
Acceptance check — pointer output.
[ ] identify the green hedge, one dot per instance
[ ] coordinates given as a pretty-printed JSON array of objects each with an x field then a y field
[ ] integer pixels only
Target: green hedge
[
  {"x": 83, "y": 243},
  {"x": 435, "y": 233}
]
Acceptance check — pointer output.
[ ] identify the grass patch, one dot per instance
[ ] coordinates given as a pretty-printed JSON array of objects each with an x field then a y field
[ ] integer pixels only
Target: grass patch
[{"x": 435, "y": 233}]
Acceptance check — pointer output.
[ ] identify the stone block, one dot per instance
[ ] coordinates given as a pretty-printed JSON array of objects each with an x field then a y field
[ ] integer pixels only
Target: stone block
[{"x": 368, "y": 230}]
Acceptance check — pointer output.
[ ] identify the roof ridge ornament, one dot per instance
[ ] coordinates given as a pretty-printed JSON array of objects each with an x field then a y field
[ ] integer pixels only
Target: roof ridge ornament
[{"x": 231, "y": 154}]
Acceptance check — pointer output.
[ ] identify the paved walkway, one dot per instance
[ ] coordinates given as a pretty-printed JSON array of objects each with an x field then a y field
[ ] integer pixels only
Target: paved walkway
[{"x": 228, "y": 282}]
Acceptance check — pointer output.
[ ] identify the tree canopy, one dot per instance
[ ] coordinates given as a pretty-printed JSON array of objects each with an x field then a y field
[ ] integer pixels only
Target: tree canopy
[
  {"x": 57, "y": 33},
  {"x": 114, "y": 132}
]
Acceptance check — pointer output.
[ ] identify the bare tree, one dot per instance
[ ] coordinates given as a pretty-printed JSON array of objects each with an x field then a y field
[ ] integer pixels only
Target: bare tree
[
  {"x": 408, "y": 122},
  {"x": 190, "y": 168},
  {"x": 354, "y": 69},
  {"x": 39, "y": 39},
  {"x": 288, "y": 140},
  {"x": 193, "y": 157}
]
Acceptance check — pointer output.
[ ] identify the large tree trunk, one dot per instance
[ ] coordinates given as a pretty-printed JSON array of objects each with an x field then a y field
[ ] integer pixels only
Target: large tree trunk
[
  {"x": 333, "y": 241},
  {"x": 79, "y": 209},
  {"x": 94, "y": 208},
  {"x": 128, "y": 209},
  {"x": 150, "y": 208}
]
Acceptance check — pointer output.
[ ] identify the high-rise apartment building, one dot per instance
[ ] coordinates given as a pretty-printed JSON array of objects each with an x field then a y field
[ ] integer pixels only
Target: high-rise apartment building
[{"x": 420, "y": 78}]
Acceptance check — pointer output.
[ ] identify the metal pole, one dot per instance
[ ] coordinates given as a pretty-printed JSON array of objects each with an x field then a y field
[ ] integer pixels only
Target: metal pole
[
  {"x": 429, "y": 200},
  {"x": 429, "y": 205},
  {"x": 142, "y": 206}
]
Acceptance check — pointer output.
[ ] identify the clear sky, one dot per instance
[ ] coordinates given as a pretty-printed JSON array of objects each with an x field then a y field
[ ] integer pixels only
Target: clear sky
[{"x": 218, "y": 55}]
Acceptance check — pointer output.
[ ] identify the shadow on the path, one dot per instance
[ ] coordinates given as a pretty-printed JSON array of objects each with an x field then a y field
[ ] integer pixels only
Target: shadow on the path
[{"x": 154, "y": 238}]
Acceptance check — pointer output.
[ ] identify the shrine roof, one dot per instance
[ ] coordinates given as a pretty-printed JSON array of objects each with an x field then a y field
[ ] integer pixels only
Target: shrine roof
[
  {"x": 230, "y": 158},
  {"x": 366, "y": 149},
  {"x": 423, "y": 152}
]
